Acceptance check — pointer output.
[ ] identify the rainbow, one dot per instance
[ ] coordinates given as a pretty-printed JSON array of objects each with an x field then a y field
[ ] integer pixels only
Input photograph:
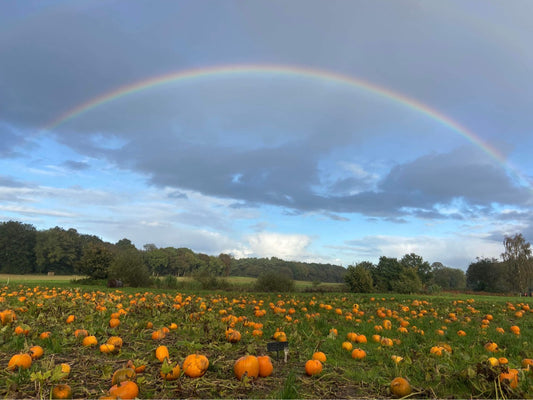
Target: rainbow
[{"x": 286, "y": 70}]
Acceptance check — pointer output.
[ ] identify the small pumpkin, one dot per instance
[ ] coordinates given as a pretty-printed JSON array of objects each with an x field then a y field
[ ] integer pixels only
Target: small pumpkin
[
  {"x": 173, "y": 374},
  {"x": 347, "y": 346},
  {"x": 233, "y": 336},
  {"x": 400, "y": 387},
  {"x": 320, "y": 356},
  {"x": 511, "y": 376},
  {"x": 21, "y": 360},
  {"x": 358, "y": 354},
  {"x": 89, "y": 341},
  {"x": 265, "y": 366},
  {"x": 114, "y": 322},
  {"x": 107, "y": 348},
  {"x": 125, "y": 390},
  {"x": 36, "y": 352},
  {"x": 246, "y": 366},
  {"x": 115, "y": 341},
  {"x": 81, "y": 333},
  {"x": 61, "y": 391},
  {"x": 161, "y": 353},
  {"x": 195, "y": 365},
  {"x": 313, "y": 367}
]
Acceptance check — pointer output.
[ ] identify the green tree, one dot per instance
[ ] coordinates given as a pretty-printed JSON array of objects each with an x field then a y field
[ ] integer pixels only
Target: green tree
[
  {"x": 385, "y": 273},
  {"x": 449, "y": 278},
  {"x": 57, "y": 250},
  {"x": 226, "y": 261},
  {"x": 95, "y": 260},
  {"x": 422, "y": 268},
  {"x": 408, "y": 281},
  {"x": 359, "y": 278},
  {"x": 518, "y": 260},
  {"x": 128, "y": 266},
  {"x": 17, "y": 247},
  {"x": 487, "y": 274}
]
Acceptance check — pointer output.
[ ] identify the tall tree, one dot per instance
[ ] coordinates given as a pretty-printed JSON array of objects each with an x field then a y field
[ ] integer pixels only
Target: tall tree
[
  {"x": 57, "y": 250},
  {"x": 517, "y": 258},
  {"x": 422, "y": 268},
  {"x": 359, "y": 278},
  {"x": 17, "y": 247}
]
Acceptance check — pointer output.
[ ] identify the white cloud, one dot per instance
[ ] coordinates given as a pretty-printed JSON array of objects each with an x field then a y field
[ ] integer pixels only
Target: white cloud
[{"x": 285, "y": 246}]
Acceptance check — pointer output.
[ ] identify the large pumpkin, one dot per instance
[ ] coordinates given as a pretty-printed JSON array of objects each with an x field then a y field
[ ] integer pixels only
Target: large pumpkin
[
  {"x": 195, "y": 365},
  {"x": 21, "y": 360},
  {"x": 125, "y": 390},
  {"x": 313, "y": 367},
  {"x": 61, "y": 391},
  {"x": 265, "y": 366},
  {"x": 400, "y": 387},
  {"x": 161, "y": 353},
  {"x": 246, "y": 366}
]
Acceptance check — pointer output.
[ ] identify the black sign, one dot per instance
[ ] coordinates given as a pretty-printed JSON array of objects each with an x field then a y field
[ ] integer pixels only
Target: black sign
[{"x": 277, "y": 346}]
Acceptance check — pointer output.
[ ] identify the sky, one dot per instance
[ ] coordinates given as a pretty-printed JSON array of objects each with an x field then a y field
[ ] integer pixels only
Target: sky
[{"x": 317, "y": 131}]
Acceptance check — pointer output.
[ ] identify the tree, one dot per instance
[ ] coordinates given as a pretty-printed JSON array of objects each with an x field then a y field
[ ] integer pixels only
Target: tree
[
  {"x": 57, "y": 250},
  {"x": 128, "y": 266},
  {"x": 422, "y": 268},
  {"x": 226, "y": 260},
  {"x": 449, "y": 278},
  {"x": 96, "y": 258},
  {"x": 387, "y": 271},
  {"x": 518, "y": 260},
  {"x": 408, "y": 281},
  {"x": 17, "y": 247},
  {"x": 486, "y": 274},
  {"x": 359, "y": 278}
]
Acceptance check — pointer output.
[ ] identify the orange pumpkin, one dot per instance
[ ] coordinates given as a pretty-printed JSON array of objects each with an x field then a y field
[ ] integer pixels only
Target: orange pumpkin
[
  {"x": 115, "y": 341},
  {"x": 320, "y": 356},
  {"x": 265, "y": 366},
  {"x": 195, "y": 365},
  {"x": 45, "y": 335},
  {"x": 347, "y": 346},
  {"x": 246, "y": 366},
  {"x": 114, "y": 322},
  {"x": 70, "y": 319},
  {"x": 125, "y": 390},
  {"x": 511, "y": 376},
  {"x": 358, "y": 354},
  {"x": 161, "y": 353},
  {"x": 21, "y": 360},
  {"x": 89, "y": 341},
  {"x": 36, "y": 352},
  {"x": 233, "y": 336},
  {"x": 400, "y": 387},
  {"x": 61, "y": 391},
  {"x": 7, "y": 317},
  {"x": 81, "y": 333},
  {"x": 107, "y": 348},
  {"x": 172, "y": 375},
  {"x": 313, "y": 367}
]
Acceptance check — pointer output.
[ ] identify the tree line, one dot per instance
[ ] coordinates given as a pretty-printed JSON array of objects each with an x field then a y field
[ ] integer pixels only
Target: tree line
[
  {"x": 411, "y": 274},
  {"x": 26, "y": 250}
]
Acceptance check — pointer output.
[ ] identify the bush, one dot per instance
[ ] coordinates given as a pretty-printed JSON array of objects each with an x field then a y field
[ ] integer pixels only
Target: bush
[
  {"x": 359, "y": 279},
  {"x": 129, "y": 267},
  {"x": 273, "y": 282},
  {"x": 210, "y": 282}
]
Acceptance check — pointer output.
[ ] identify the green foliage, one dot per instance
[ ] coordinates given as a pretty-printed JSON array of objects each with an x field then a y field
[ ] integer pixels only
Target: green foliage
[
  {"x": 487, "y": 275},
  {"x": 408, "y": 282},
  {"x": 518, "y": 262},
  {"x": 17, "y": 243},
  {"x": 129, "y": 267},
  {"x": 95, "y": 260},
  {"x": 210, "y": 282},
  {"x": 359, "y": 278},
  {"x": 273, "y": 282},
  {"x": 449, "y": 278}
]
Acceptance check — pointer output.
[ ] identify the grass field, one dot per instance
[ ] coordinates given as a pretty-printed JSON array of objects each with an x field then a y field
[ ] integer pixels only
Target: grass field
[{"x": 438, "y": 343}]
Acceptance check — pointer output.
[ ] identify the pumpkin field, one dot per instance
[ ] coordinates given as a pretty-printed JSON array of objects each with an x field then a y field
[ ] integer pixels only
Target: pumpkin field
[{"x": 60, "y": 342}]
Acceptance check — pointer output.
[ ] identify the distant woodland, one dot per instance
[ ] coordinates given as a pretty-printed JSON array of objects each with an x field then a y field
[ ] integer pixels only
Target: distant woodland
[{"x": 26, "y": 250}]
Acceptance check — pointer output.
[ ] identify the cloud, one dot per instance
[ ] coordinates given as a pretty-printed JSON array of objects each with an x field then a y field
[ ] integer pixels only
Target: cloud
[
  {"x": 285, "y": 246},
  {"x": 456, "y": 252},
  {"x": 76, "y": 165}
]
